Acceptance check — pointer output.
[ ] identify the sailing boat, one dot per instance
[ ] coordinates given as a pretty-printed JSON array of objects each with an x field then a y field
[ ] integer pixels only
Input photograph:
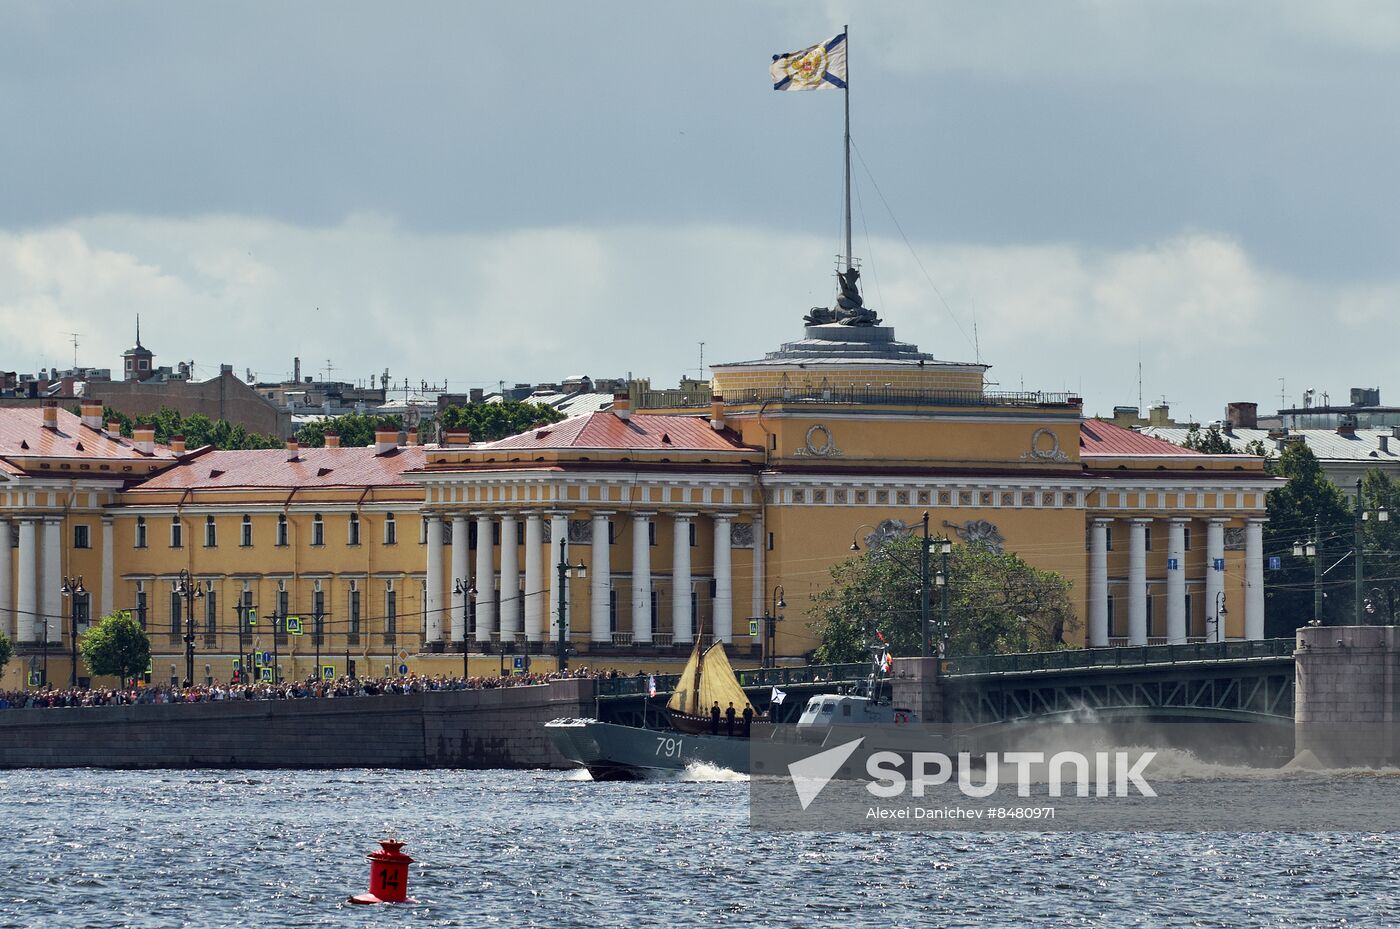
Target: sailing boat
[{"x": 707, "y": 680}]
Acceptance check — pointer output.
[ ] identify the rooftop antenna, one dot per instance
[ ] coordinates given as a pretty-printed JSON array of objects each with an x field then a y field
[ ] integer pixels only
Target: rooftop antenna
[
  {"x": 1282, "y": 393},
  {"x": 75, "y": 347},
  {"x": 1139, "y": 378},
  {"x": 976, "y": 344},
  {"x": 701, "y": 369},
  {"x": 330, "y": 368}
]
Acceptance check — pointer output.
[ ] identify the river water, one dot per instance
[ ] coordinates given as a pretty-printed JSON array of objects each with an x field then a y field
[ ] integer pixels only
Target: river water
[{"x": 542, "y": 848}]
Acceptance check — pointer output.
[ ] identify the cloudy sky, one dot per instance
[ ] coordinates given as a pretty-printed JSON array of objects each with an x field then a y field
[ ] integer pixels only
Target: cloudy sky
[{"x": 486, "y": 192}]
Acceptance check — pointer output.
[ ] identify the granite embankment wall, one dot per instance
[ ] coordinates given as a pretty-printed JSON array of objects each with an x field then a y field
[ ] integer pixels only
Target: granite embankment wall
[{"x": 448, "y": 729}]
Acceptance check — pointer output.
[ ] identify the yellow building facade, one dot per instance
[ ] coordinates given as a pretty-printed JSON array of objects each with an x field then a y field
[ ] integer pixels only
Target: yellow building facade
[{"x": 686, "y": 522}]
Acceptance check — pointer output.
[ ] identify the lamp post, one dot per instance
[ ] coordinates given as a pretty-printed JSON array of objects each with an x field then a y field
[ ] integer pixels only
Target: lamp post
[
  {"x": 944, "y": 547},
  {"x": 561, "y": 637},
  {"x": 467, "y": 591},
  {"x": 927, "y": 547},
  {"x": 184, "y": 586},
  {"x": 770, "y": 626},
  {"x": 245, "y": 664},
  {"x": 1220, "y": 613},
  {"x": 1382, "y": 515},
  {"x": 1308, "y": 548},
  {"x": 73, "y": 589}
]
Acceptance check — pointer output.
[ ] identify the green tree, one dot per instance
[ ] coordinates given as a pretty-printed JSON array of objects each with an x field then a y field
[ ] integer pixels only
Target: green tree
[
  {"x": 488, "y": 422},
  {"x": 199, "y": 430},
  {"x": 355, "y": 429},
  {"x": 116, "y": 645},
  {"x": 998, "y": 603},
  {"x": 1308, "y": 494},
  {"x": 1210, "y": 442},
  {"x": 1381, "y": 543},
  {"x": 7, "y": 651}
]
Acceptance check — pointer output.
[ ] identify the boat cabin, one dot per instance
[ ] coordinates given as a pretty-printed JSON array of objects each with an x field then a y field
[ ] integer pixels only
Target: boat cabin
[{"x": 828, "y": 710}]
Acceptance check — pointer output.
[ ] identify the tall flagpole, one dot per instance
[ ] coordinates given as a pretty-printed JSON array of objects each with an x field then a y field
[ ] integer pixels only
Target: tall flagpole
[{"x": 846, "y": 30}]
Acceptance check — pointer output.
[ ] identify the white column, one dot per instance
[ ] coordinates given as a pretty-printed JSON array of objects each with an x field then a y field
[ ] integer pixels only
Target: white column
[
  {"x": 1254, "y": 579},
  {"x": 433, "y": 632},
  {"x": 27, "y": 601},
  {"x": 109, "y": 551},
  {"x": 52, "y": 579},
  {"x": 534, "y": 578},
  {"x": 681, "y": 593},
  {"x": 724, "y": 582},
  {"x": 641, "y": 577},
  {"x": 510, "y": 577},
  {"x": 461, "y": 571},
  {"x": 1098, "y": 583},
  {"x": 1215, "y": 578},
  {"x": 1176, "y": 582},
  {"x": 7, "y": 606},
  {"x": 1137, "y": 582},
  {"x": 600, "y": 571},
  {"x": 485, "y": 580},
  {"x": 558, "y": 539}
]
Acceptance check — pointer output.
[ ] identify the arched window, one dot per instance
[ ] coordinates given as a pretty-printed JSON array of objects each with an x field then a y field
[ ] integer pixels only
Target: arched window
[
  {"x": 391, "y": 530},
  {"x": 211, "y": 532},
  {"x": 281, "y": 529},
  {"x": 318, "y": 530},
  {"x": 353, "y": 537},
  {"x": 245, "y": 537}
]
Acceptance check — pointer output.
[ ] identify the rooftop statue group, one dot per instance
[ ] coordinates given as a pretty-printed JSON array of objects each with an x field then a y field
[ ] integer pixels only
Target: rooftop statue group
[{"x": 850, "y": 309}]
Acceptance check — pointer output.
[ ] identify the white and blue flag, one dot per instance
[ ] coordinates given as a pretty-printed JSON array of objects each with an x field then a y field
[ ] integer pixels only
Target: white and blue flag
[{"x": 821, "y": 67}]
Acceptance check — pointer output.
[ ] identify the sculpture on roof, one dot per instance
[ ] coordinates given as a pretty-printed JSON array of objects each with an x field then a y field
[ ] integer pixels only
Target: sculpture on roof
[{"x": 850, "y": 309}]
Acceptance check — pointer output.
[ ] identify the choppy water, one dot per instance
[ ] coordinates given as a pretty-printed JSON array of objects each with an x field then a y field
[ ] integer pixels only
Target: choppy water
[{"x": 273, "y": 849}]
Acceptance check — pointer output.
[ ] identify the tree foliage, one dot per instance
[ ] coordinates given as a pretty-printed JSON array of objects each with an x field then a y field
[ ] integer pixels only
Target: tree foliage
[
  {"x": 997, "y": 603},
  {"x": 1210, "y": 442},
  {"x": 116, "y": 645},
  {"x": 1292, "y": 508},
  {"x": 199, "y": 430},
  {"x": 7, "y": 650},
  {"x": 1381, "y": 543},
  {"x": 488, "y": 422},
  {"x": 356, "y": 429}
]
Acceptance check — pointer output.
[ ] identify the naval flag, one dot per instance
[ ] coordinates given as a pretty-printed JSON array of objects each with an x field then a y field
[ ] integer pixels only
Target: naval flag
[
  {"x": 651, "y": 686},
  {"x": 821, "y": 67},
  {"x": 779, "y": 695}
]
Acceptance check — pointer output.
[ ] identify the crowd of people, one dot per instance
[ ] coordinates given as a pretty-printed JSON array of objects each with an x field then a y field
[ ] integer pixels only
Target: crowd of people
[{"x": 287, "y": 690}]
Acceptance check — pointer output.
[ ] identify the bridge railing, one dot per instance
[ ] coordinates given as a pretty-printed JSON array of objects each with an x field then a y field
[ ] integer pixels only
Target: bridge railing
[
  {"x": 751, "y": 677},
  {"x": 1127, "y": 656}
]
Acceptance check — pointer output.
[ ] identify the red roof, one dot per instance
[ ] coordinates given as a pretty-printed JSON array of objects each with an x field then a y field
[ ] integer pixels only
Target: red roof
[
  {"x": 608, "y": 431},
  {"x": 22, "y": 435},
  {"x": 1097, "y": 437},
  {"x": 314, "y": 467}
]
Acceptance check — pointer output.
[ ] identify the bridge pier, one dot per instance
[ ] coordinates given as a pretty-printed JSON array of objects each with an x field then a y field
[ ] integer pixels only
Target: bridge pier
[
  {"x": 915, "y": 684},
  {"x": 1347, "y": 695}
]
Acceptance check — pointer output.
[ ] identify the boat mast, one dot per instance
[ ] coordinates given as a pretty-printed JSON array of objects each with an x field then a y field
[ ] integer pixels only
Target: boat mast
[{"x": 847, "y": 90}]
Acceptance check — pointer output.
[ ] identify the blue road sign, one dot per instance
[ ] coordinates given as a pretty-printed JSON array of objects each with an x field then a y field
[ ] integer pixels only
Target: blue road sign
[
  {"x": 1275, "y": 562},
  {"x": 518, "y": 663},
  {"x": 267, "y": 659},
  {"x": 1218, "y": 564},
  {"x": 403, "y": 669},
  {"x": 1173, "y": 564}
]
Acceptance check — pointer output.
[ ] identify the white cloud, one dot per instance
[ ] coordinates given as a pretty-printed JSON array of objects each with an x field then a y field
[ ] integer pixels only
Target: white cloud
[{"x": 539, "y": 304}]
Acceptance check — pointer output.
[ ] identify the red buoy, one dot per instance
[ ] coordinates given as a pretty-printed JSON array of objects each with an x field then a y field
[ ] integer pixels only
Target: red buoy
[{"x": 388, "y": 875}]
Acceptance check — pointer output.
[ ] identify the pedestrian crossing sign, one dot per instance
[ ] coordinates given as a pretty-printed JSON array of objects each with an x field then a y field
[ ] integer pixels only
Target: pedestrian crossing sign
[
  {"x": 753, "y": 628},
  {"x": 252, "y": 617},
  {"x": 267, "y": 674},
  {"x": 327, "y": 672},
  {"x": 237, "y": 664},
  {"x": 294, "y": 625},
  {"x": 36, "y": 678}
]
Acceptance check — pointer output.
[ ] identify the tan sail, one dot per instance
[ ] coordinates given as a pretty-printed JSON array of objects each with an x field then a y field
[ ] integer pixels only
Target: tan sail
[
  {"x": 718, "y": 683},
  {"x": 685, "y": 697}
]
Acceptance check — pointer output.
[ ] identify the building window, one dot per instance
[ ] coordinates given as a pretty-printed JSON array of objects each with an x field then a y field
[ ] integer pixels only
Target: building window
[
  {"x": 82, "y": 537},
  {"x": 211, "y": 533},
  {"x": 281, "y": 530},
  {"x": 140, "y": 532},
  {"x": 655, "y": 608},
  {"x": 1111, "y": 633},
  {"x": 651, "y": 533},
  {"x": 391, "y": 613},
  {"x": 279, "y": 625},
  {"x": 141, "y": 603},
  {"x": 1186, "y": 538},
  {"x": 423, "y": 532},
  {"x": 1108, "y": 538},
  {"x": 773, "y": 441},
  {"x": 247, "y": 611},
  {"x": 1150, "y": 598},
  {"x": 318, "y": 616},
  {"x": 175, "y": 618},
  {"x": 471, "y": 536},
  {"x": 391, "y": 530},
  {"x": 354, "y": 532},
  {"x": 354, "y": 610},
  {"x": 82, "y": 609},
  {"x": 318, "y": 530},
  {"x": 612, "y": 533},
  {"x": 770, "y": 541},
  {"x": 211, "y": 611},
  {"x": 612, "y": 612},
  {"x": 694, "y": 536},
  {"x": 245, "y": 532},
  {"x": 177, "y": 532},
  {"x": 1188, "y": 614},
  {"x": 1147, "y": 537}
]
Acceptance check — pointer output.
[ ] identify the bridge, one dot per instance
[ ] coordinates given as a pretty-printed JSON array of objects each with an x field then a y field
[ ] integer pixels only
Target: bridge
[{"x": 1243, "y": 681}]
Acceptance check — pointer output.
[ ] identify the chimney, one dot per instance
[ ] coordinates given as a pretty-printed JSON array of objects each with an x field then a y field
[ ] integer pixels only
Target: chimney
[
  {"x": 456, "y": 437},
  {"x": 143, "y": 439},
  {"x": 92, "y": 414},
  {"x": 51, "y": 415},
  {"x": 296, "y": 370},
  {"x": 114, "y": 428},
  {"x": 177, "y": 444},
  {"x": 622, "y": 406},
  {"x": 1384, "y": 441},
  {"x": 1243, "y": 414},
  {"x": 385, "y": 440},
  {"x": 717, "y": 413},
  {"x": 332, "y": 440},
  {"x": 293, "y": 450},
  {"x": 413, "y": 436}
]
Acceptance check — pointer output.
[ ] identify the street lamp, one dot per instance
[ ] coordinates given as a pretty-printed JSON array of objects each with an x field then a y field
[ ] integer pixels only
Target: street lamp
[
  {"x": 73, "y": 589},
  {"x": 1220, "y": 613},
  {"x": 1309, "y": 548},
  {"x": 561, "y": 635},
  {"x": 1381, "y": 515},
  {"x": 184, "y": 586},
  {"x": 770, "y": 626},
  {"x": 467, "y": 591}
]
